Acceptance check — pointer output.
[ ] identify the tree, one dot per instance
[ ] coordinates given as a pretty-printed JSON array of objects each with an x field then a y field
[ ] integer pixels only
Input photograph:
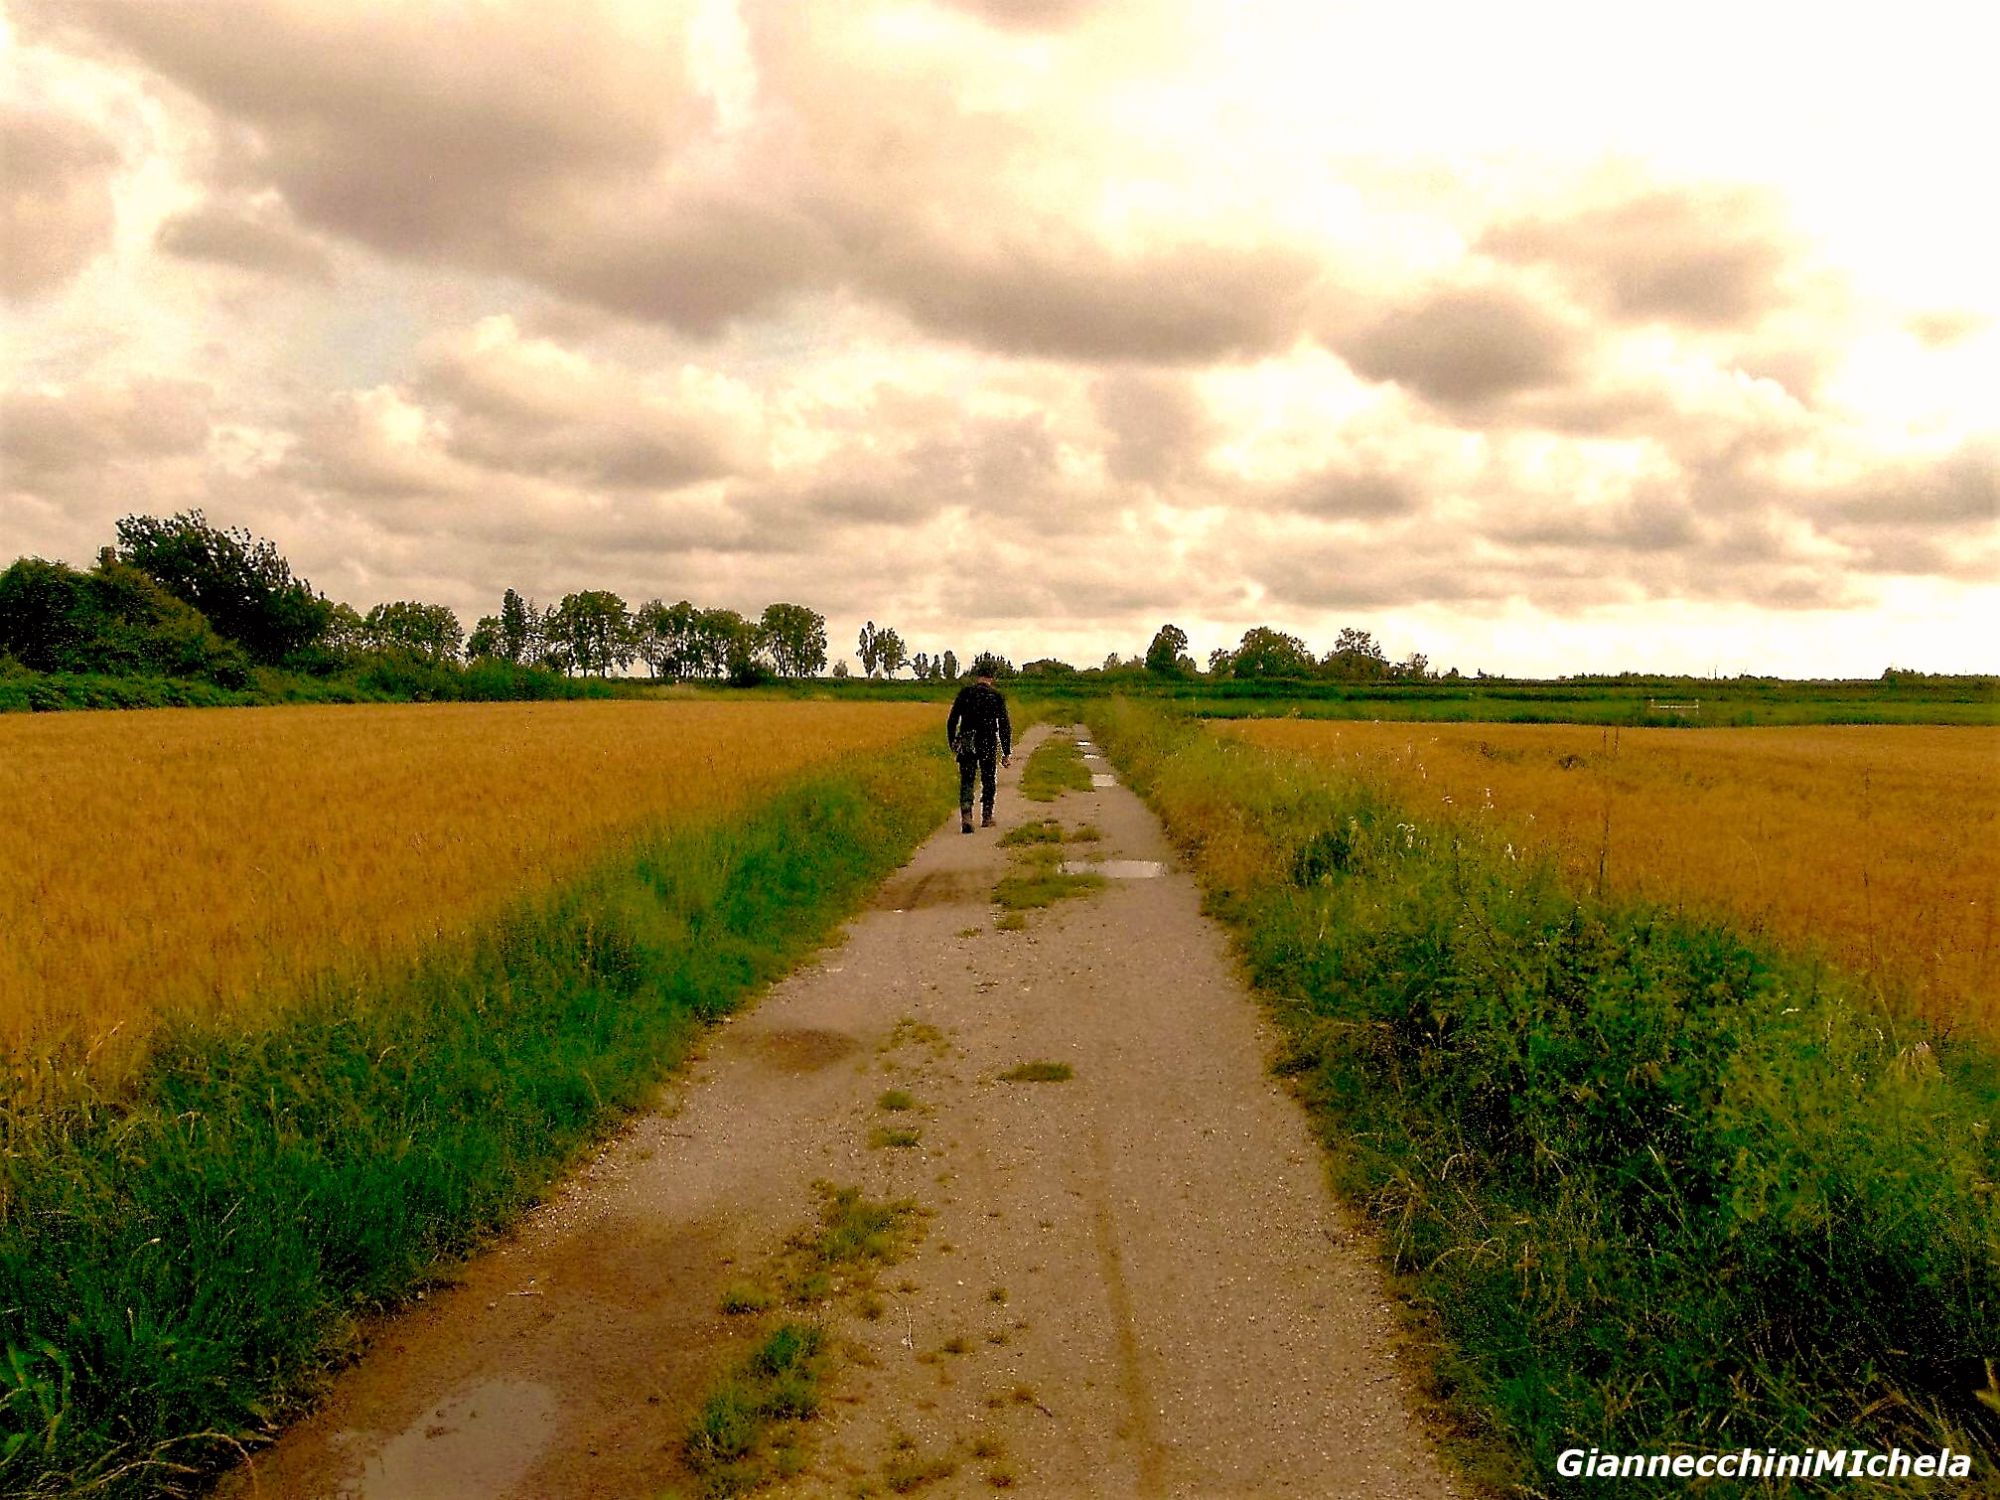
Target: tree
[
  {"x": 1168, "y": 656},
  {"x": 920, "y": 665},
  {"x": 1220, "y": 662},
  {"x": 795, "y": 637},
  {"x": 593, "y": 632},
  {"x": 950, "y": 665},
  {"x": 1415, "y": 667},
  {"x": 484, "y": 642},
  {"x": 428, "y": 631},
  {"x": 116, "y": 620},
  {"x": 237, "y": 580},
  {"x": 870, "y": 649},
  {"x": 1355, "y": 656},
  {"x": 719, "y": 641},
  {"x": 890, "y": 649},
  {"x": 991, "y": 663},
  {"x": 346, "y": 635},
  {"x": 840, "y": 672},
  {"x": 518, "y": 619},
  {"x": 1264, "y": 652},
  {"x": 1047, "y": 666}
]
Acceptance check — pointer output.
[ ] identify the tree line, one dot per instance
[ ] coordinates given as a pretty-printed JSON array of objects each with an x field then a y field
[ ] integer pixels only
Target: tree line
[{"x": 180, "y": 598}]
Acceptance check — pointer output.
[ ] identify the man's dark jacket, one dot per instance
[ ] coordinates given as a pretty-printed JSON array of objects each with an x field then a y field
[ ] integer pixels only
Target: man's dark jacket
[{"x": 978, "y": 718}]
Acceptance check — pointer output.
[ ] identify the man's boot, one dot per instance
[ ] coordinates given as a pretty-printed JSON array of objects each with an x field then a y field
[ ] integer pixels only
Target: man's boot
[
  {"x": 985, "y": 819},
  {"x": 965, "y": 820}
]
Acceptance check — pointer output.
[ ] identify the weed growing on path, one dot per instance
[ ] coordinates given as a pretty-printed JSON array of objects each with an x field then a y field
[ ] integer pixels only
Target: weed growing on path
[
  {"x": 1036, "y": 879},
  {"x": 896, "y": 1100},
  {"x": 1056, "y": 766},
  {"x": 887, "y": 1136},
  {"x": 745, "y": 1435},
  {"x": 1039, "y": 1072}
]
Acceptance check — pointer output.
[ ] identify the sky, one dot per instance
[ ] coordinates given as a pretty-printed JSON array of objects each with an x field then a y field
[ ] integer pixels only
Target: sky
[{"x": 1539, "y": 339}]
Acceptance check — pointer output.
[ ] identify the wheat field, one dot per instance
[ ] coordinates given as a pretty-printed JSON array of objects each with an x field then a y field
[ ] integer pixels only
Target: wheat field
[
  {"x": 209, "y": 860},
  {"x": 1879, "y": 845}
]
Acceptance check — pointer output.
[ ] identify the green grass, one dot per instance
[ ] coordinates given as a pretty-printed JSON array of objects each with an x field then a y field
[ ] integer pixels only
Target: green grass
[
  {"x": 1039, "y": 1072},
  {"x": 896, "y": 1100},
  {"x": 177, "y": 1263},
  {"x": 1041, "y": 831},
  {"x": 1056, "y": 766},
  {"x": 1035, "y": 879},
  {"x": 1650, "y": 1183},
  {"x": 893, "y": 1138},
  {"x": 742, "y": 1438}
]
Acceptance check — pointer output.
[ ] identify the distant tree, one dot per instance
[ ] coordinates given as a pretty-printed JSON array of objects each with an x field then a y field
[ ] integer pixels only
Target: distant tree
[
  {"x": 346, "y": 635},
  {"x": 593, "y": 632},
  {"x": 890, "y": 650},
  {"x": 1355, "y": 657},
  {"x": 483, "y": 643},
  {"x": 428, "y": 631},
  {"x": 1264, "y": 652},
  {"x": 115, "y": 620},
  {"x": 1415, "y": 667},
  {"x": 840, "y": 672},
  {"x": 795, "y": 638},
  {"x": 1111, "y": 662},
  {"x": 870, "y": 649},
  {"x": 652, "y": 638},
  {"x": 920, "y": 666},
  {"x": 1220, "y": 662},
  {"x": 237, "y": 580},
  {"x": 1047, "y": 666},
  {"x": 949, "y": 663},
  {"x": 993, "y": 662},
  {"x": 1167, "y": 656},
  {"x": 518, "y": 621}
]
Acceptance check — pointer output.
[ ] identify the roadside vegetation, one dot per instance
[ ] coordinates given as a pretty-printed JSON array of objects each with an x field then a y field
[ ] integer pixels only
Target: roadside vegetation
[
  {"x": 1648, "y": 1183},
  {"x": 1879, "y": 847},
  {"x": 181, "y": 1252}
]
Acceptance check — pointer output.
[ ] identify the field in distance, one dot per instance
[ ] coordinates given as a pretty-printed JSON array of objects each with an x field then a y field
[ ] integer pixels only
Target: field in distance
[
  {"x": 1880, "y": 845},
  {"x": 210, "y": 860}
]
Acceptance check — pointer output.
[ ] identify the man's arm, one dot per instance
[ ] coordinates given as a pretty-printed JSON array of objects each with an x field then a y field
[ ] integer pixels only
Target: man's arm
[
  {"x": 1006, "y": 728},
  {"x": 951, "y": 723}
]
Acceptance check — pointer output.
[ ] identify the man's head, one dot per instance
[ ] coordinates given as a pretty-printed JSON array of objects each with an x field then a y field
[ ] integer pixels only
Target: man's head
[{"x": 985, "y": 675}]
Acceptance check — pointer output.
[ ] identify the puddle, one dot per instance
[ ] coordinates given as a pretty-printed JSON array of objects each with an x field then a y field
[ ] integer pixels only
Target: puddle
[
  {"x": 1102, "y": 778},
  {"x": 1116, "y": 869},
  {"x": 803, "y": 1051},
  {"x": 1085, "y": 745},
  {"x": 481, "y": 1442},
  {"x": 938, "y": 888}
]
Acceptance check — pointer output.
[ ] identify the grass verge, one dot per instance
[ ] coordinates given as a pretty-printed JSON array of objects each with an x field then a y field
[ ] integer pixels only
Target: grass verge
[
  {"x": 1653, "y": 1186},
  {"x": 177, "y": 1263}
]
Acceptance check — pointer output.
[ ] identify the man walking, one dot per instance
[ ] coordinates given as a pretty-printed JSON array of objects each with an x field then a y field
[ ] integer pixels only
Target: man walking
[{"x": 978, "y": 731}]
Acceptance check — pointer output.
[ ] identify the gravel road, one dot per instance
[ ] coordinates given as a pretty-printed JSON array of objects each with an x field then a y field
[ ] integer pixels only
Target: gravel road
[{"x": 1132, "y": 1282}]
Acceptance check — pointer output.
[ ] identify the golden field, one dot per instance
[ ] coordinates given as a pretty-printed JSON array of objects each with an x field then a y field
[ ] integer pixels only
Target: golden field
[
  {"x": 209, "y": 858},
  {"x": 1881, "y": 845}
]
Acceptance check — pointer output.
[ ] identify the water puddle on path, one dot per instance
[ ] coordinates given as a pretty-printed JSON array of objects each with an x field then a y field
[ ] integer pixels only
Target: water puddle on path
[
  {"x": 1116, "y": 869},
  {"x": 479, "y": 1443},
  {"x": 1102, "y": 778}
]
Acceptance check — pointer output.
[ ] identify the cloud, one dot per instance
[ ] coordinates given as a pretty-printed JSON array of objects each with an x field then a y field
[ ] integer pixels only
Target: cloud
[
  {"x": 52, "y": 438},
  {"x": 56, "y": 210},
  {"x": 1714, "y": 256},
  {"x": 1465, "y": 348},
  {"x": 1027, "y": 15},
  {"x": 1155, "y": 424},
  {"x": 247, "y": 236}
]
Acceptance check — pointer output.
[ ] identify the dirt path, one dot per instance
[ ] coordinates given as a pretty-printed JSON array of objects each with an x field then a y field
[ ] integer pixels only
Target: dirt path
[{"x": 1133, "y": 1282}]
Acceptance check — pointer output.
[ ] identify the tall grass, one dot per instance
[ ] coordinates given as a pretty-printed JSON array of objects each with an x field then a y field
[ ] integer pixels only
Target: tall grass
[
  {"x": 1654, "y": 1185},
  {"x": 1879, "y": 846},
  {"x": 176, "y": 1261},
  {"x": 186, "y": 860}
]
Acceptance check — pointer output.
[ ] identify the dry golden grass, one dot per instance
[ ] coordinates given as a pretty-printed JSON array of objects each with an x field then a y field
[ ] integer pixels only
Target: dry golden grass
[
  {"x": 209, "y": 859},
  {"x": 1877, "y": 843}
]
